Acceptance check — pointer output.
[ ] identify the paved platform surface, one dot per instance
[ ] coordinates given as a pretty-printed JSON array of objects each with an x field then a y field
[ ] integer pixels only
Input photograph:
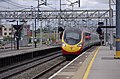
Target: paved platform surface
[{"x": 104, "y": 65}]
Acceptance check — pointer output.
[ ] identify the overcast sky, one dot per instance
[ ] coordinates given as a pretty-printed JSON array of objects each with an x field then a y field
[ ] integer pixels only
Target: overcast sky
[{"x": 53, "y": 4}]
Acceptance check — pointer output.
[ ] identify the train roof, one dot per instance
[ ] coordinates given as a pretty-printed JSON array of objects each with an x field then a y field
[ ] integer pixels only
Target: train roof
[
  {"x": 78, "y": 29},
  {"x": 72, "y": 28}
]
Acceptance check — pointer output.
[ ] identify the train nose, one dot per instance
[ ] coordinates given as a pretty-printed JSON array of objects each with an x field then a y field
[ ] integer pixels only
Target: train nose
[{"x": 71, "y": 48}]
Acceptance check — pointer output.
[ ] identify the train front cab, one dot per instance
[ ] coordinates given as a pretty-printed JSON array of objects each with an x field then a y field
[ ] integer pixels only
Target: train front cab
[{"x": 71, "y": 51}]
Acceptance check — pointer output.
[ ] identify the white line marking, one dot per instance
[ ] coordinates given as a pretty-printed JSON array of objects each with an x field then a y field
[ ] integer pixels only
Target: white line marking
[{"x": 65, "y": 66}]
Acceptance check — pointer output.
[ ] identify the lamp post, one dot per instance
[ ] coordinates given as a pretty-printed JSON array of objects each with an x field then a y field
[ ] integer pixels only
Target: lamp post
[
  {"x": 35, "y": 40},
  {"x": 41, "y": 33},
  {"x": 110, "y": 22},
  {"x": 59, "y": 21},
  {"x": 33, "y": 32},
  {"x": 79, "y": 3},
  {"x": 11, "y": 36}
]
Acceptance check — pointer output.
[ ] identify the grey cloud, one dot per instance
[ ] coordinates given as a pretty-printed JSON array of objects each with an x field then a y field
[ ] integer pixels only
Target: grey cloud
[
  {"x": 104, "y": 1},
  {"x": 53, "y": 4}
]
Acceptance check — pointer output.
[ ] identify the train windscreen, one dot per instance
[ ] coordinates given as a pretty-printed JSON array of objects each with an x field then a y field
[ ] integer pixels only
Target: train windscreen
[{"x": 72, "y": 38}]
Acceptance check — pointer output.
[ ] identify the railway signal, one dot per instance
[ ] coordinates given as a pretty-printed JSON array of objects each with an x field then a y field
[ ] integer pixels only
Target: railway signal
[
  {"x": 99, "y": 30},
  {"x": 17, "y": 34},
  {"x": 60, "y": 29}
]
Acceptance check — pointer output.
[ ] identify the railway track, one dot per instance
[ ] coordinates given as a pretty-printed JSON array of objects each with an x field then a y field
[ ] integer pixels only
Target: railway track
[
  {"x": 13, "y": 70},
  {"x": 43, "y": 73},
  {"x": 38, "y": 68},
  {"x": 46, "y": 73}
]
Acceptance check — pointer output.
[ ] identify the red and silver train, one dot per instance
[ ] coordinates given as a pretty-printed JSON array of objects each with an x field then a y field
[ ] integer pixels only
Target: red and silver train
[{"x": 75, "y": 40}]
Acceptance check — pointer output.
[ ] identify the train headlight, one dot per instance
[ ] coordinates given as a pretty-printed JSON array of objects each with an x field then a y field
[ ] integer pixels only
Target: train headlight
[
  {"x": 63, "y": 44},
  {"x": 80, "y": 45}
]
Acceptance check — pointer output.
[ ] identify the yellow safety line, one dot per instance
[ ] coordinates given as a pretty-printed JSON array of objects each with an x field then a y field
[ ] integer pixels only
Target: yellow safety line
[
  {"x": 118, "y": 40},
  {"x": 90, "y": 65}
]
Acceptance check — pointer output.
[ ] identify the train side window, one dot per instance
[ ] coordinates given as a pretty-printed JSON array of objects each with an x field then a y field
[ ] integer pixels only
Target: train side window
[{"x": 87, "y": 36}]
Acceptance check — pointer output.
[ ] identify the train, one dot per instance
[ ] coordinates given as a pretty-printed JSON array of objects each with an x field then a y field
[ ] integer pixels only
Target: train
[{"x": 75, "y": 40}]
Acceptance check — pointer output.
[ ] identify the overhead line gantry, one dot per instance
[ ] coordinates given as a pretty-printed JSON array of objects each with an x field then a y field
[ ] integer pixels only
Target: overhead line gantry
[{"x": 54, "y": 14}]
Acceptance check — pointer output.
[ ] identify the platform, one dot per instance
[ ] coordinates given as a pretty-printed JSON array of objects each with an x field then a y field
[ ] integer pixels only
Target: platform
[
  {"x": 104, "y": 65},
  {"x": 100, "y": 64},
  {"x": 24, "y": 51}
]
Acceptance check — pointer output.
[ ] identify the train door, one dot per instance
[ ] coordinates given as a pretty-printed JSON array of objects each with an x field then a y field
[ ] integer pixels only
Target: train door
[{"x": 87, "y": 39}]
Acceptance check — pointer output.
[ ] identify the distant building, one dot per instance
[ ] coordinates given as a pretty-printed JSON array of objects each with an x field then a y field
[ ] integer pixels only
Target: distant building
[
  {"x": 6, "y": 31},
  {"x": 27, "y": 31},
  {"x": 1, "y": 37}
]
